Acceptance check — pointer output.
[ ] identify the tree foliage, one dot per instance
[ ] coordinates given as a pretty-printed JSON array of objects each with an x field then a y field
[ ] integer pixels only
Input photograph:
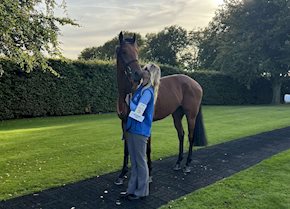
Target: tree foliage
[
  {"x": 169, "y": 46},
  {"x": 165, "y": 46},
  {"x": 249, "y": 39},
  {"x": 29, "y": 32}
]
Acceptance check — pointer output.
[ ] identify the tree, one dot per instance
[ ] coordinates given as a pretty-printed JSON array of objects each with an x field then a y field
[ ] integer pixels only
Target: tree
[
  {"x": 29, "y": 33},
  {"x": 187, "y": 58},
  {"x": 165, "y": 46},
  {"x": 249, "y": 39},
  {"x": 107, "y": 50},
  {"x": 206, "y": 42}
]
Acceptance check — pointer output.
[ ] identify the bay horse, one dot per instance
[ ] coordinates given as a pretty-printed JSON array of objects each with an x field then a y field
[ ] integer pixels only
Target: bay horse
[{"x": 178, "y": 95}]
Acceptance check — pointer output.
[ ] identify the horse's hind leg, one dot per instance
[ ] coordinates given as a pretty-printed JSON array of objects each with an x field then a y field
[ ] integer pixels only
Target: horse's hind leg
[
  {"x": 149, "y": 162},
  {"x": 177, "y": 118},
  {"x": 191, "y": 124}
]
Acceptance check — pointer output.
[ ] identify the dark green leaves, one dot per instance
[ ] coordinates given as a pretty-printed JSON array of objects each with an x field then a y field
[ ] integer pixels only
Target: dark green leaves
[{"x": 28, "y": 32}]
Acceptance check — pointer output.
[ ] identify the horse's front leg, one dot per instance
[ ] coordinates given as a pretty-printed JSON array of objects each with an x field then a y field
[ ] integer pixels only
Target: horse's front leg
[
  {"x": 122, "y": 176},
  {"x": 149, "y": 162}
]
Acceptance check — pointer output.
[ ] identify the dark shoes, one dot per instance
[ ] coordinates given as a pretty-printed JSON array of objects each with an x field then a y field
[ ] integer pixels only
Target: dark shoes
[
  {"x": 130, "y": 196},
  {"x": 133, "y": 197}
]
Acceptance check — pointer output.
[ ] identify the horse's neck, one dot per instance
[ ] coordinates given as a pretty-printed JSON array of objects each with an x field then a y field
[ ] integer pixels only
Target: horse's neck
[{"x": 120, "y": 78}]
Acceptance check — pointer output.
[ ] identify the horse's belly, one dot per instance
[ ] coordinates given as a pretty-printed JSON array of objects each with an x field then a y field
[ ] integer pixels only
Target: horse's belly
[
  {"x": 166, "y": 104},
  {"x": 161, "y": 113}
]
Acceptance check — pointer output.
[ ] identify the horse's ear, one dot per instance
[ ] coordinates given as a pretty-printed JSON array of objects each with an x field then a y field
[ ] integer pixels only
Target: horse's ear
[
  {"x": 121, "y": 37},
  {"x": 134, "y": 38}
]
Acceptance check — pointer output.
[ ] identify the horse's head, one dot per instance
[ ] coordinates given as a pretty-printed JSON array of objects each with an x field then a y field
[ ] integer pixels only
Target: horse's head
[
  {"x": 128, "y": 67},
  {"x": 129, "y": 71}
]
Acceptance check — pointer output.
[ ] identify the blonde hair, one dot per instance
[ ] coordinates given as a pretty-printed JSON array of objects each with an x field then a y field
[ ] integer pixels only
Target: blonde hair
[{"x": 154, "y": 81}]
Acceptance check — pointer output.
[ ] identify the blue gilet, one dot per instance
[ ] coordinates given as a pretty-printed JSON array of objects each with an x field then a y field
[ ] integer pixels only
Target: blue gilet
[{"x": 142, "y": 128}]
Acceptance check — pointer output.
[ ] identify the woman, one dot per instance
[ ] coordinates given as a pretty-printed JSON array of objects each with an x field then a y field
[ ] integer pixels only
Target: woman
[{"x": 138, "y": 129}]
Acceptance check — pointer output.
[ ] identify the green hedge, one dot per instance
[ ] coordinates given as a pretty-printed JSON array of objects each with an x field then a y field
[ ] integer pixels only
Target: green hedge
[
  {"x": 90, "y": 87},
  {"x": 221, "y": 89},
  {"x": 81, "y": 88}
]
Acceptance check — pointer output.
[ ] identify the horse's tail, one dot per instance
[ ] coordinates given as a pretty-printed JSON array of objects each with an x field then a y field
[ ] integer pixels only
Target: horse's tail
[{"x": 199, "y": 136}]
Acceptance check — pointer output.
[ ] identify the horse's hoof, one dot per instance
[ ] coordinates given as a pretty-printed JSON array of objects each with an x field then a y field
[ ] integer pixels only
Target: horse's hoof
[
  {"x": 150, "y": 179},
  {"x": 119, "y": 181},
  {"x": 177, "y": 167},
  {"x": 186, "y": 169}
]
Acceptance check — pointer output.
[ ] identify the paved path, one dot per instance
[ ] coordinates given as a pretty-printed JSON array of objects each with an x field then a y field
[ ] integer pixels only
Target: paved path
[{"x": 209, "y": 165}]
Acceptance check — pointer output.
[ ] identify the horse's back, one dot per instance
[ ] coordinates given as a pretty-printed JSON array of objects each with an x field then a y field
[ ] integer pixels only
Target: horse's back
[
  {"x": 181, "y": 81},
  {"x": 175, "y": 91}
]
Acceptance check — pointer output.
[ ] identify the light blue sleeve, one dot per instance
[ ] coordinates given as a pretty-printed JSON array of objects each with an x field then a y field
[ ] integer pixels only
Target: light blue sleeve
[{"x": 145, "y": 98}]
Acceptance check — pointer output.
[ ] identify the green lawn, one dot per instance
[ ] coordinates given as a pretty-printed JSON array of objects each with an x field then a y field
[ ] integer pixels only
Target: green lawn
[
  {"x": 40, "y": 153},
  {"x": 264, "y": 186}
]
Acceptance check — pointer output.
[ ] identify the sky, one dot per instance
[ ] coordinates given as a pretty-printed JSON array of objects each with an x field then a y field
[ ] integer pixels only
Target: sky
[{"x": 101, "y": 21}]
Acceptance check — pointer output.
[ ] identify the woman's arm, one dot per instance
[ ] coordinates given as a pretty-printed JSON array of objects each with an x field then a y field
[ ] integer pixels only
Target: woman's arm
[
  {"x": 138, "y": 110},
  {"x": 145, "y": 98}
]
